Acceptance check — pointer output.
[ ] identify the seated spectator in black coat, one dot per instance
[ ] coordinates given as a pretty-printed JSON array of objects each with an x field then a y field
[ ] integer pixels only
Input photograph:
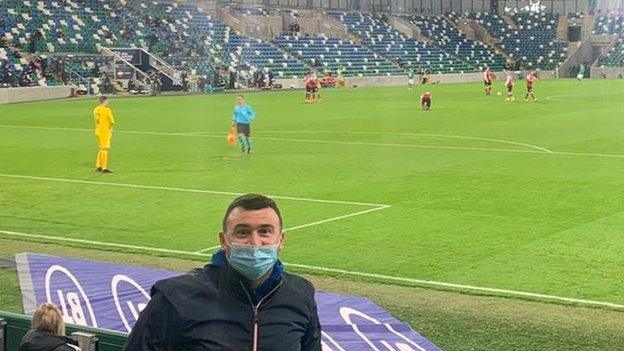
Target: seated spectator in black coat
[{"x": 48, "y": 332}]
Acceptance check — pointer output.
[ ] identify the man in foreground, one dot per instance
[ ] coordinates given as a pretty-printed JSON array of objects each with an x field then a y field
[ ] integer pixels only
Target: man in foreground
[
  {"x": 104, "y": 123},
  {"x": 242, "y": 300}
]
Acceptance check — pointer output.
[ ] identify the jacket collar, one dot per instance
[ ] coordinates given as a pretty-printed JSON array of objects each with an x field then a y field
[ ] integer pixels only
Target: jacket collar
[{"x": 220, "y": 260}]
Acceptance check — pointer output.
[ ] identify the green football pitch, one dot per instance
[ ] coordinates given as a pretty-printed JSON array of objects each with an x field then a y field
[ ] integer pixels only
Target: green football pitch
[{"x": 476, "y": 194}]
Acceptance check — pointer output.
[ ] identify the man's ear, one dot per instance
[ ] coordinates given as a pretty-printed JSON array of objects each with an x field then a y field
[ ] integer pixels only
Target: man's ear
[
  {"x": 281, "y": 244},
  {"x": 222, "y": 241}
]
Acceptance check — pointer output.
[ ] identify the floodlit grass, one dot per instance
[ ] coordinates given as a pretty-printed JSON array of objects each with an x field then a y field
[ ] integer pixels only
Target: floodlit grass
[{"x": 520, "y": 196}]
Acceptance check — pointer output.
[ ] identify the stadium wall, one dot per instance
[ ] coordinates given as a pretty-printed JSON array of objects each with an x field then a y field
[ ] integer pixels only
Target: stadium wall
[
  {"x": 23, "y": 94},
  {"x": 421, "y": 6},
  {"x": 607, "y": 72}
]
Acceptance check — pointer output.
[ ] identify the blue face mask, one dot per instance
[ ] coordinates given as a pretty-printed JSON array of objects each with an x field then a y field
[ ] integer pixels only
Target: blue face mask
[{"x": 250, "y": 260}]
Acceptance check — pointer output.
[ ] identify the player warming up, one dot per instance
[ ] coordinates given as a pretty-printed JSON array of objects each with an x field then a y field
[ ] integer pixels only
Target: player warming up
[
  {"x": 311, "y": 87},
  {"x": 530, "y": 80},
  {"x": 580, "y": 75},
  {"x": 509, "y": 84},
  {"x": 410, "y": 79},
  {"x": 425, "y": 101},
  {"x": 243, "y": 115},
  {"x": 488, "y": 76},
  {"x": 317, "y": 94},
  {"x": 104, "y": 123}
]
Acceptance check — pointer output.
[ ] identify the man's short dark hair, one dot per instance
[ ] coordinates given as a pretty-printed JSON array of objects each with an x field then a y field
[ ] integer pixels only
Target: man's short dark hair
[
  {"x": 252, "y": 202},
  {"x": 103, "y": 98}
]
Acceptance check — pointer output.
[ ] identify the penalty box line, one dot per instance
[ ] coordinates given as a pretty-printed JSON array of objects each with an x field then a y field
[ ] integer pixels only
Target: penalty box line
[
  {"x": 306, "y": 225},
  {"x": 375, "y": 207},
  {"x": 387, "y": 278}
]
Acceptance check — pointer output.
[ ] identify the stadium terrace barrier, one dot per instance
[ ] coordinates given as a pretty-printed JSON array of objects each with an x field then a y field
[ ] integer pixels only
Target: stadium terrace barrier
[
  {"x": 22, "y": 94},
  {"x": 402, "y": 80},
  {"x": 89, "y": 339}
]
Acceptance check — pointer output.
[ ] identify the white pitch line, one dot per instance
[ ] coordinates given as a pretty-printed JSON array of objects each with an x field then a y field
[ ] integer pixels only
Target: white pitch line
[
  {"x": 96, "y": 243},
  {"x": 416, "y": 146},
  {"x": 388, "y": 278},
  {"x": 578, "y": 101},
  {"x": 188, "y": 190},
  {"x": 348, "y": 215},
  {"x": 207, "y": 250},
  {"x": 315, "y": 141},
  {"x": 463, "y": 137},
  {"x": 433, "y": 283},
  {"x": 439, "y": 147}
]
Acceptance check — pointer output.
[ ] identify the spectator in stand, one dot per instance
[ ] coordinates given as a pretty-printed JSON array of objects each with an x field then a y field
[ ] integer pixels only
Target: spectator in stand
[
  {"x": 34, "y": 38},
  {"x": 399, "y": 62},
  {"x": 17, "y": 54},
  {"x": 48, "y": 332},
  {"x": 184, "y": 77},
  {"x": 6, "y": 76},
  {"x": 271, "y": 77},
  {"x": 257, "y": 77}
]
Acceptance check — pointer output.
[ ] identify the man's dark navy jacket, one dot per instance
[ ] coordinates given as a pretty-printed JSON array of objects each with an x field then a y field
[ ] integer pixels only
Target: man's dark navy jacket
[{"x": 215, "y": 308}]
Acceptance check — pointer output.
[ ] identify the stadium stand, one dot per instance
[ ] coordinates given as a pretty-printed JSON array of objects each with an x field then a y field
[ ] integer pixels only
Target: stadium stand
[
  {"x": 189, "y": 39},
  {"x": 449, "y": 38},
  {"x": 333, "y": 54},
  {"x": 615, "y": 56},
  {"x": 257, "y": 53},
  {"x": 377, "y": 34},
  {"x": 250, "y": 11},
  {"x": 531, "y": 43},
  {"x": 611, "y": 25},
  {"x": 575, "y": 16},
  {"x": 181, "y": 34}
]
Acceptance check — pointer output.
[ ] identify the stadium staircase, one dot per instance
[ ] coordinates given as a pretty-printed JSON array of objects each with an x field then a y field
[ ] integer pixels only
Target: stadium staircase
[
  {"x": 587, "y": 26},
  {"x": 445, "y": 35},
  {"x": 405, "y": 26},
  {"x": 474, "y": 30},
  {"x": 148, "y": 63},
  {"x": 562, "y": 29},
  {"x": 509, "y": 21},
  {"x": 612, "y": 28},
  {"x": 532, "y": 40},
  {"x": 251, "y": 21},
  {"x": 335, "y": 28},
  {"x": 377, "y": 34},
  {"x": 330, "y": 53}
]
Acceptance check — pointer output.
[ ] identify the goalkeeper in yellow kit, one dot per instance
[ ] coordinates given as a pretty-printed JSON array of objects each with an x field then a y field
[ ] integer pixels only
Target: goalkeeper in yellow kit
[{"x": 104, "y": 123}]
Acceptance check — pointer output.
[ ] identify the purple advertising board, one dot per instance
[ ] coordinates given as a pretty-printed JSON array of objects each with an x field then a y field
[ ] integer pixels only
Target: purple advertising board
[{"x": 111, "y": 296}]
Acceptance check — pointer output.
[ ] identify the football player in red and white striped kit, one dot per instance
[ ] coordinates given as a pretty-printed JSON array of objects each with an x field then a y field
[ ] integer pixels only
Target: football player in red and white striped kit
[
  {"x": 509, "y": 84},
  {"x": 488, "y": 76}
]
